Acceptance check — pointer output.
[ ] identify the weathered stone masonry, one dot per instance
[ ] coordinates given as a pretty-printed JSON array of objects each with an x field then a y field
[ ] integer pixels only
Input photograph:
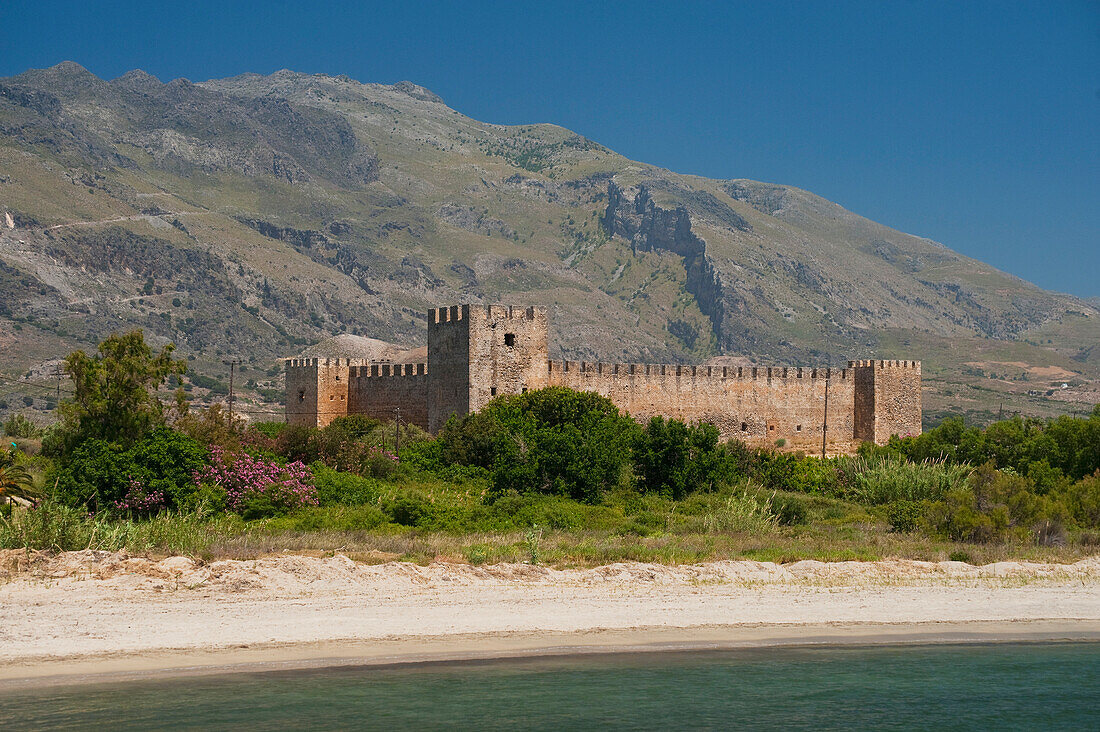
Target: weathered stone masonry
[{"x": 477, "y": 352}]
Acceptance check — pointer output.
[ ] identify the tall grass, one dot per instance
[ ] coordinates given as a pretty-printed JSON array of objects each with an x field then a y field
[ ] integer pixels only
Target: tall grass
[
  {"x": 60, "y": 528},
  {"x": 889, "y": 479}
]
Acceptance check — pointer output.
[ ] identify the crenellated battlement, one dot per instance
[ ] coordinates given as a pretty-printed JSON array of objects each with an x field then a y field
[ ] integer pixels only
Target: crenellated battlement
[
  {"x": 448, "y": 314},
  {"x": 479, "y": 352},
  {"x": 312, "y": 363},
  {"x": 877, "y": 364},
  {"x": 696, "y": 372},
  {"x": 455, "y": 313},
  {"x": 378, "y": 370}
]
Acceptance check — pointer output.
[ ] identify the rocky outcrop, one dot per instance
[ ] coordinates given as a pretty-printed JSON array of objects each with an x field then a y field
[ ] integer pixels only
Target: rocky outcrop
[
  {"x": 418, "y": 92},
  {"x": 648, "y": 227},
  {"x": 470, "y": 219}
]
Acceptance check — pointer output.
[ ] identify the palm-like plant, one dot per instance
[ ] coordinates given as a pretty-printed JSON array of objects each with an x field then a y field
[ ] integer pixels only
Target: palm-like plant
[{"x": 15, "y": 480}]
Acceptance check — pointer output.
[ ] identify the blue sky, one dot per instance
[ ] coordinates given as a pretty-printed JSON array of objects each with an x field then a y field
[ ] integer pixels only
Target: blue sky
[{"x": 976, "y": 124}]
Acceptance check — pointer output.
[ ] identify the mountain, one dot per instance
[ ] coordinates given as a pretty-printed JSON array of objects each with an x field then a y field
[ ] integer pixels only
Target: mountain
[{"x": 257, "y": 215}]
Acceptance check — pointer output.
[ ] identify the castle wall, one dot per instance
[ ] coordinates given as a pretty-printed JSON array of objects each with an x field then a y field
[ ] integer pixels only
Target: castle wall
[
  {"x": 756, "y": 404},
  {"x": 317, "y": 389},
  {"x": 478, "y": 352},
  {"x": 379, "y": 390}
]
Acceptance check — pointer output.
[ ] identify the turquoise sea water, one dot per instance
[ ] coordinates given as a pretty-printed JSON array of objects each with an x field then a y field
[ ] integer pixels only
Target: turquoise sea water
[{"x": 964, "y": 687}]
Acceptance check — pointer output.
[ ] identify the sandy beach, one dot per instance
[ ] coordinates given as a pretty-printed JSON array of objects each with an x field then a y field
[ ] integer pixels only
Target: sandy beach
[{"x": 90, "y": 615}]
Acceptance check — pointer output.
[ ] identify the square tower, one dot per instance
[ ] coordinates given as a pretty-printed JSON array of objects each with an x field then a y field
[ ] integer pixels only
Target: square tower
[
  {"x": 887, "y": 399},
  {"x": 477, "y": 352},
  {"x": 317, "y": 390}
]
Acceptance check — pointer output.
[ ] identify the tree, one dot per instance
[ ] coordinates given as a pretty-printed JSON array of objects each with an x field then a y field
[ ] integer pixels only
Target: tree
[{"x": 115, "y": 390}]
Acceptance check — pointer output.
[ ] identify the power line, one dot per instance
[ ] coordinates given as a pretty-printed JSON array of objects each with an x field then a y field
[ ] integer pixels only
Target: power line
[{"x": 31, "y": 384}]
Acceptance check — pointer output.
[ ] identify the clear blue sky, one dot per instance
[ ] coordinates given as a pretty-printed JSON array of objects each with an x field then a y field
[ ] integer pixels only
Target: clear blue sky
[{"x": 976, "y": 124}]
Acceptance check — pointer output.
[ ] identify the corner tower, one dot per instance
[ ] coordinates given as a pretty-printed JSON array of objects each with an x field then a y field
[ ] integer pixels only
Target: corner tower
[
  {"x": 317, "y": 390},
  {"x": 477, "y": 352},
  {"x": 887, "y": 399}
]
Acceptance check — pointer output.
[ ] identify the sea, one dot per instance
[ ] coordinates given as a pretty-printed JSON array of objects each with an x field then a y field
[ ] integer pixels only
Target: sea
[{"x": 1002, "y": 686}]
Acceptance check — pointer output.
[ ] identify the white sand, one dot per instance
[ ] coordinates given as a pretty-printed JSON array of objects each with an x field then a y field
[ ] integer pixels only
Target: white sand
[{"x": 89, "y": 612}]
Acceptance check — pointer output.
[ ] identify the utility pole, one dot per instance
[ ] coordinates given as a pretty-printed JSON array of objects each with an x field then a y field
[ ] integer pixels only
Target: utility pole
[
  {"x": 828, "y": 374},
  {"x": 397, "y": 433},
  {"x": 57, "y": 366},
  {"x": 825, "y": 418},
  {"x": 232, "y": 364}
]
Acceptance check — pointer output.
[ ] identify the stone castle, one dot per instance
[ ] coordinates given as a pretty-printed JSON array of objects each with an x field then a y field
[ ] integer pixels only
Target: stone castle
[{"x": 477, "y": 352}]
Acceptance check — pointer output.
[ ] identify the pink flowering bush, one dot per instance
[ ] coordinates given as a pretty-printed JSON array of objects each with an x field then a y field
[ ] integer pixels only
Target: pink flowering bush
[
  {"x": 255, "y": 487},
  {"x": 139, "y": 499}
]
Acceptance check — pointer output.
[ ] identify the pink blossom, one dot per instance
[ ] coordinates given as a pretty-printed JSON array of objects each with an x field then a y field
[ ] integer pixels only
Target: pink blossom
[{"x": 244, "y": 477}]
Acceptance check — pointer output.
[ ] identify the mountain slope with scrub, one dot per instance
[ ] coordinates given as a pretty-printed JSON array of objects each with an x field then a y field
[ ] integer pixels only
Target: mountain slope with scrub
[{"x": 253, "y": 216}]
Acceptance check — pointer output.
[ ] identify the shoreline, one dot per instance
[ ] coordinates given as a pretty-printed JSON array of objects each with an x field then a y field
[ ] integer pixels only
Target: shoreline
[
  {"x": 389, "y": 653},
  {"x": 91, "y": 617}
]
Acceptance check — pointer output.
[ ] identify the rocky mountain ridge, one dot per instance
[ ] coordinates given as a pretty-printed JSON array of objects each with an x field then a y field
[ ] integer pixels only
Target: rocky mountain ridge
[{"x": 257, "y": 215}]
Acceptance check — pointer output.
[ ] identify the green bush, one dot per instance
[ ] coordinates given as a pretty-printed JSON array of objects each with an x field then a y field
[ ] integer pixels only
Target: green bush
[
  {"x": 674, "y": 459},
  {"x": 1082, "y": 499},
  {"x": 789, "y": 510},
  {"x": 553, "y": 440},
  {"x": 331, "y": 518},
  {"x": 268, "y": 429},
  {"x": 997, "y": 506},
  {"x": 334, "y": 487},
  {"x": 794, "y": 472},
  {"x": 97, "y": 473},
  {"x": 1068, "y": 444},
  {"x": 411, "y": 510},
  {"x": 905, "y": 516}
]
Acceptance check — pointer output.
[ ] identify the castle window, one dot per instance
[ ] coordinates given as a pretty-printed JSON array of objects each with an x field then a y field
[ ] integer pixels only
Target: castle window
[
  {"x": 771, "y": 428},
  {"x": 337, "y": 377},
  {"x": 301, "y": 395},
  {"x": 798, "y": 428},
  {"x": 510, "y": 339},
  {"x": 744, "y": 426},
  {"x": 332, "y": 397},
  {"x": 492, "y": 391}
]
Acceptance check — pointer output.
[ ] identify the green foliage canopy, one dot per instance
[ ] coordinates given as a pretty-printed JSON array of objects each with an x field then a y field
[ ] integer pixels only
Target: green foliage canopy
[
  {"x": 115, "y": 391},
  {"x": 552, "y": 440}
]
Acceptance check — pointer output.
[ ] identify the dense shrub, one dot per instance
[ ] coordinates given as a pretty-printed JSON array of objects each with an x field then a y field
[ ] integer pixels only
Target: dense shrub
[
  {"x": 789, "y": 510},
  {"x": 354, "y": 444},
  {"x": 994, "y": 506},
  {"x": 1068, "y": 444},
  {"x": 255, "y": 487},
  {"x": 270, "y": 430},
  {"x": 905, "y": 516},
  {"x": 100, "y": 475},
  {"x": 1082, "y": 500},
  {"x": 553, "y": 440},
  {"x": 794, "y": 472},
  {"x": 212, "y": 426},
  {"x": 674, "y": 459},
  {"x": 334, "y": 487}
]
